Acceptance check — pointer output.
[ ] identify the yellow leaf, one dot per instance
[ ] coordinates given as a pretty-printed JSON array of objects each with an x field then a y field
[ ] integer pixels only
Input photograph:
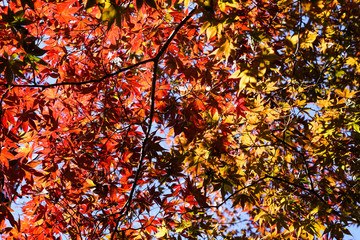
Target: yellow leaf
[
  {"x": 204, "y": 27},
  {"x": 222, "y": 6},
  {"x": 252, "y": 119},
  {"x": 162, "y": 232},
  {"x": 235, "y": 75},
  {"x": 229, "y": 119},
  {"x": 293, "y": 40},
  {"x": 89, "y": 184},
  {"x": 216, "y": 117},
  {"x": 314, "y": 211},
  {"x": 261, "y": 72},
  {"x": 260, "y": 215},
  {"x": 299, "y": 231},
  {"x": 351, "y": 61},
  {"x": 319, "y": 228},
  {"x": 271, "y": 86},
  {"x": 323, "y": 45},
  {"x": 345, "y": 93},
  {"x": 25, "y": 150},
  {"x": 248, "y": 140},
  {"x": 246, "y": 78},
  {"x": 309, "y": 39},
  {"x": 186, "y": 3},
  {"x": 224, "y": 49},
  {"x": 323, "y": 103},
  {"x": 219, "y": 30},
  {"x": 39, "y": 222},
  {"x": 210, "y": 32},
  {"x": 227, "y": 48}
]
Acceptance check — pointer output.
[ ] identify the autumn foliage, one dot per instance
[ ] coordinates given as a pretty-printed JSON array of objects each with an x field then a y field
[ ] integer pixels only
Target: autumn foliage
[{"x": 179, "y": 119}]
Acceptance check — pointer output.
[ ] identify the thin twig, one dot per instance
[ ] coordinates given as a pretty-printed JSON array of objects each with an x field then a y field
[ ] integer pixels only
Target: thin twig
[
  {"x": 261, "y": 179},
  {"x": 85, "y": 82},
  {"x": 302, "y": 156}
]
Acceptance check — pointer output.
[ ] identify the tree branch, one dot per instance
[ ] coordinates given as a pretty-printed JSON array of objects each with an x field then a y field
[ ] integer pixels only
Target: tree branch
[
  {"x": 156, "y": 59},
  {"x": 302, "y": 156},
  {"x": 85, "y": 82},
  {"x": 261, "y": 179}
]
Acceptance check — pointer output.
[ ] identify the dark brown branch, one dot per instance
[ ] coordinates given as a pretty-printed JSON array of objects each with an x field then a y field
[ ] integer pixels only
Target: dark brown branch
[
  {"x": 1, "y": 109},
  {"x": 292, "y": 184},
  {"x": 85, "y": 82},
  {"x": 1, "y": 101},
  {"x": 311, "y": 191},
  {"x": 171, "y": 37},
  {"x": 156, "y": 59},
  {"x": 229, "y": 197}
]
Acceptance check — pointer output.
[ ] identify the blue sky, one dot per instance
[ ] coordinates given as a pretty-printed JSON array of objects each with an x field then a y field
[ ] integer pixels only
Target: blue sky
[{"x": 355, "y": 231}]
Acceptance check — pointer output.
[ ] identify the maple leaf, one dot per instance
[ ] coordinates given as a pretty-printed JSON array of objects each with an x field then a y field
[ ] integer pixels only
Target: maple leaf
[{"x": 179, "y": 119}]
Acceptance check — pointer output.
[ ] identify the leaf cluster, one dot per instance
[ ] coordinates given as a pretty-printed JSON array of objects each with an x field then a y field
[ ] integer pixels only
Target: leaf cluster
[{"x": 179, "y": 119}]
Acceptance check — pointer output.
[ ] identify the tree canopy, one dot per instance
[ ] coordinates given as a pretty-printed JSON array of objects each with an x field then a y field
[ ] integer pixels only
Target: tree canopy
[{"x": 179, "y": 119}]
